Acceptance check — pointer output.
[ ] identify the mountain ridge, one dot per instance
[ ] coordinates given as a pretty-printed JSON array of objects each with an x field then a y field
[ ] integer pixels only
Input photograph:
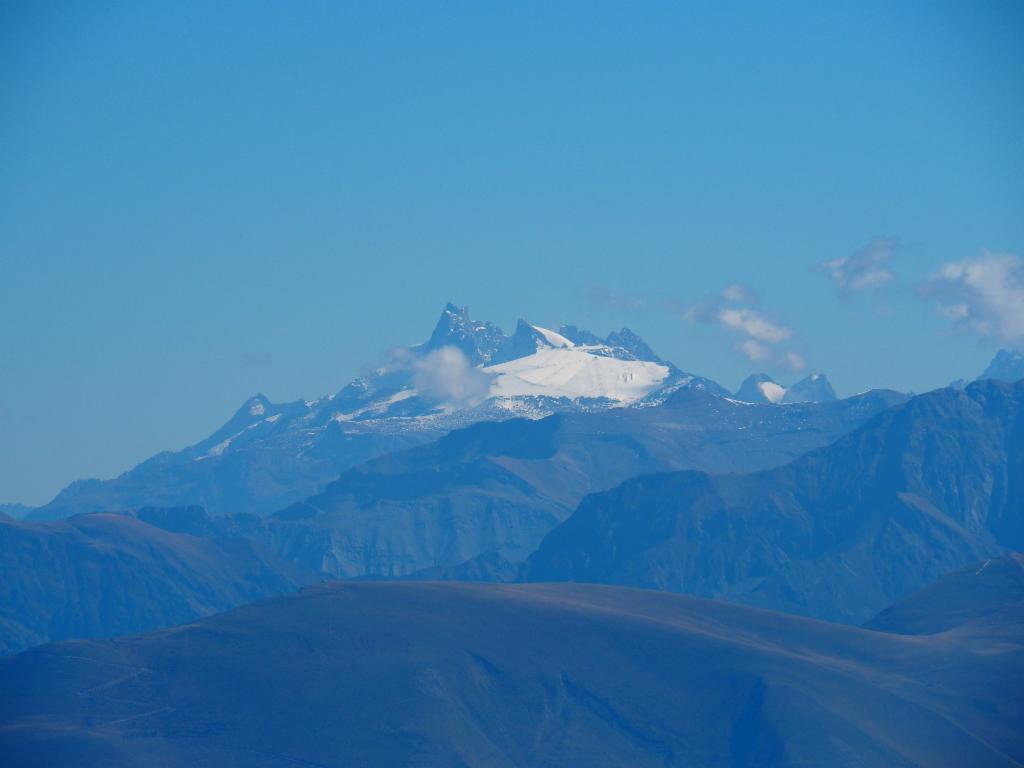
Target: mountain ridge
[
  {"x": 269, "y": 455},
  {"x": 919, "y": 490}
]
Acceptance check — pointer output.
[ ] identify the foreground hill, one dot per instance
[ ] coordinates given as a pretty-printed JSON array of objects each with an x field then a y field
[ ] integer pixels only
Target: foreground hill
[
  {"x": 501, "y": 675},
  {"x": 500, "y": 487},
  {"x": 923, "y": 489},
  {"x": 105, "y": 574}
]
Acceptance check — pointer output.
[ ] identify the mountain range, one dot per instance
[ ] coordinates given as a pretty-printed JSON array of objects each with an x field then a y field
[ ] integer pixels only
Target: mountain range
[
  {"x": 499, "y": 487},
  {"x": 922, "y": 489},
  {"x": 269, "y": 455},
  {"x": 573, "y": 469},
  {"x": 494, "y": 488}
]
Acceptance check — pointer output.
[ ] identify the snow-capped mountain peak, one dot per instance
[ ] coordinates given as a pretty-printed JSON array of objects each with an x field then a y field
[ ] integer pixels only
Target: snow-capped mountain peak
[{"x": 467, "y": 371}]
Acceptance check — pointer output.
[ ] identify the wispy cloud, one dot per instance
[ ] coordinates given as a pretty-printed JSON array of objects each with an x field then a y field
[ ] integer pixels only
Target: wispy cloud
[
  {"x": 867, "y": 268},
  {"x": 762, "y": 337},
  {"x": 602, "y": 296},
  {"x": 983, "y": 295},
  {"x": 446, "y": 376},
  {"x": 753, "y": 324}
]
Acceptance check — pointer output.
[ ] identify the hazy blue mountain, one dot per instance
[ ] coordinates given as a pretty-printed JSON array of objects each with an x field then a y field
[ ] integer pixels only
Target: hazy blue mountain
[
  {"x": 100, "y": 575},
  {"x": 982, "y": 593},
  {"x": 270, "y": 455},
  {"x": 811, "y": 389},
  {"x": 348, "y": 674},
  {"x": 15, "y": 510},
  {"x": 500, "y": 487},
  {"x": 1007, "y": 365},
  {"x": 920, "y": 490},
  {"x": 762, "y": 388}
]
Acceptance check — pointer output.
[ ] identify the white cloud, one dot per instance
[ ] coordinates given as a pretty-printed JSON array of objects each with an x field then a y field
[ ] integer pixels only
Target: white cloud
[
  {"x": 446, "y": 376},
  {"x": 795, "y": 361},
  {"x": 755, "y": 351},
  {"x": 867, "y": 268},
  {"x": 736, "y": 292},
  {"x": 603, "y": 296},
  {"x": 753, "y": 324},
  {"x": 984, "y": 295},
  {"x": 763, "y": 338}
]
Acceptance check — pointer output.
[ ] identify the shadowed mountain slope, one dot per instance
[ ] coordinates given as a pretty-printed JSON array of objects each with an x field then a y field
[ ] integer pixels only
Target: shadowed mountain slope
[
  {"x": 921, "y": 490},
  {"x": 504, "y": 675},
  {"x": 501, "y": 486},
  {"x": 981, "y": 593},
  {"x": 108, "y": 574}
]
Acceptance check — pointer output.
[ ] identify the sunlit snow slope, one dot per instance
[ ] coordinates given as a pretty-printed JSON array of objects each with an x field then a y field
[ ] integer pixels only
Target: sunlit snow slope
[{"x": 560, "y": 368}]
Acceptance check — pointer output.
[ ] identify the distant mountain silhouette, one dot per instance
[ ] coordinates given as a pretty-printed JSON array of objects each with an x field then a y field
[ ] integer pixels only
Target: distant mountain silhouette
[
  {"x": 1005, "y": 366},
  {"x": 762, "y": 388}
]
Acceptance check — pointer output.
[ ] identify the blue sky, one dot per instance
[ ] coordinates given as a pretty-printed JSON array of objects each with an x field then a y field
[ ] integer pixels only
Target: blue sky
[{"x": 203, "y": 201}]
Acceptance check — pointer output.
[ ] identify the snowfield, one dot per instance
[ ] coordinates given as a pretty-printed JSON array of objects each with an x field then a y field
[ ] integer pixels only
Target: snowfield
[{"x": 575, "y": 372}]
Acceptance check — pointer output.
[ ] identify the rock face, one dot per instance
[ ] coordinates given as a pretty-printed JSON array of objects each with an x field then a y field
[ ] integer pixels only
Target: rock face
[
  {"x": 100, "y": 575},
  {"x": 508, "y": 675},
  {"x": 918, "y": 491},
  {"x": 500, "y": 487},
  {"x": 477, "y": 340}
]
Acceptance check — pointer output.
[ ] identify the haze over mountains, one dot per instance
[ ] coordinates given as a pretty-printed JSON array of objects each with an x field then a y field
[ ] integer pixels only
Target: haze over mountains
[
  {"x": 762, "y": 388},
  {"x": 499, "y": 487},
  {"x": 1005, "y": 366},
  {"x": 270, "y": 455},
  {"x": 103, "y": 574},
  {"x": 543, "y": 456},
  {"x": 491, "y": 488},
  {"x": 922, "y": 489}
]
